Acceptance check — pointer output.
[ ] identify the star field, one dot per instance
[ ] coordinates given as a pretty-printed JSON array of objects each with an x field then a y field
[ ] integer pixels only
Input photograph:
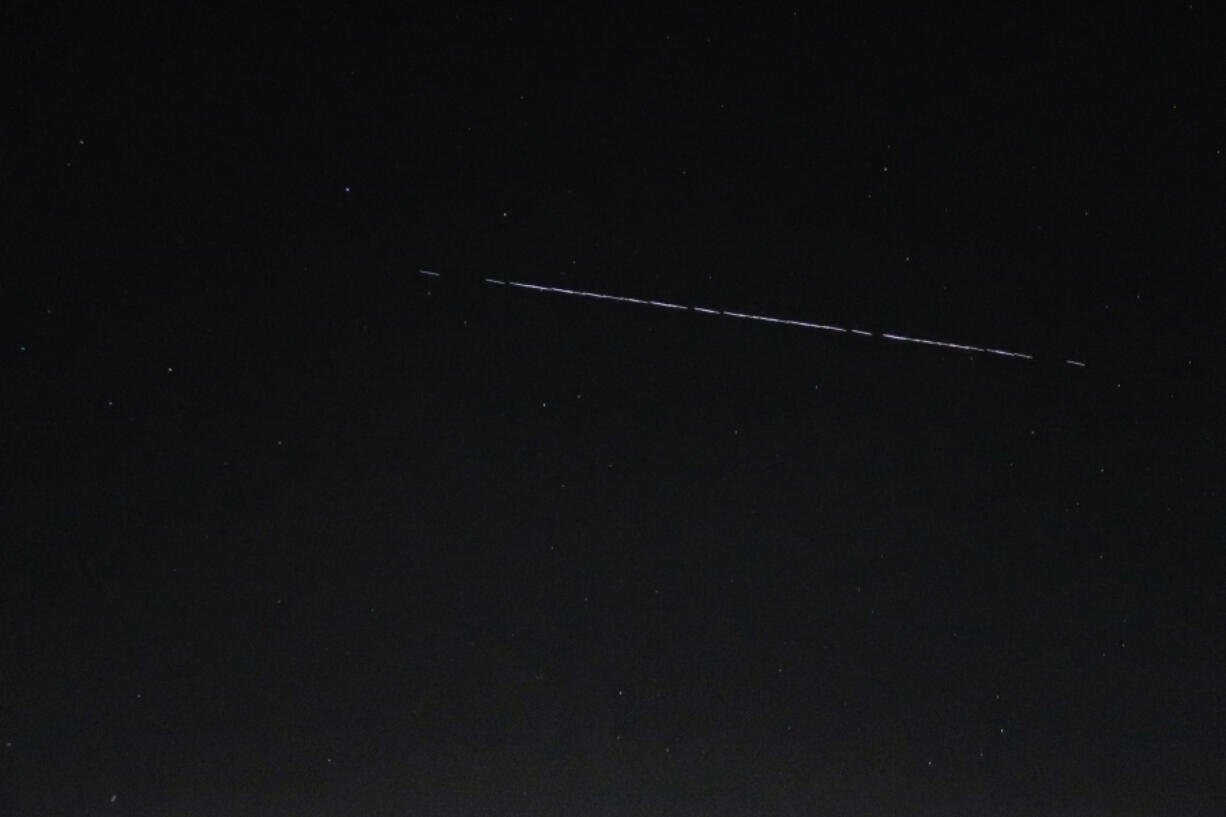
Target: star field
[{"x": 464, "y": 413}]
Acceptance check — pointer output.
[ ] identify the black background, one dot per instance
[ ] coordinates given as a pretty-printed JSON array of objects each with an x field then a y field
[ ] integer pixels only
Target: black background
[{"x": 293, "y": 529}]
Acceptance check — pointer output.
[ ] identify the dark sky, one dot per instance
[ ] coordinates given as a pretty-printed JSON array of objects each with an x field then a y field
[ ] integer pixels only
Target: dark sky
[{"x": 292, "y": 529}]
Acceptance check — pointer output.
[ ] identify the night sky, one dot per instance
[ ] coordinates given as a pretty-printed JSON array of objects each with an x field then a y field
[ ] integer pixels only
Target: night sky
[{"x": 288, "y": 527}]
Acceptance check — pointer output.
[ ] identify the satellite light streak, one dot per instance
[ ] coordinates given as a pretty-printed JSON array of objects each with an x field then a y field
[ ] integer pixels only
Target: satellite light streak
[
  {"x": 601, "y": 296},
  {"x": 784, "y": 321}
]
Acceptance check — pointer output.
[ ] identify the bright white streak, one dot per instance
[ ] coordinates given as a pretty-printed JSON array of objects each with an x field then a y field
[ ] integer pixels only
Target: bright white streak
[
  {"x": 1003, "y": 353},
  {"x": 579, "y": 292},
  {"x": 1075, "y": 363},
  {"x": 962, "y": 347},
  {"x": 784, "y": 321},
  {"x": 597, "y": 295}
]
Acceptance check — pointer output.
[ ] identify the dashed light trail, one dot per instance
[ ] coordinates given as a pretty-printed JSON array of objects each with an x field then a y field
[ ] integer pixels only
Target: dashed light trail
[{"x": 726, "y": 313}]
